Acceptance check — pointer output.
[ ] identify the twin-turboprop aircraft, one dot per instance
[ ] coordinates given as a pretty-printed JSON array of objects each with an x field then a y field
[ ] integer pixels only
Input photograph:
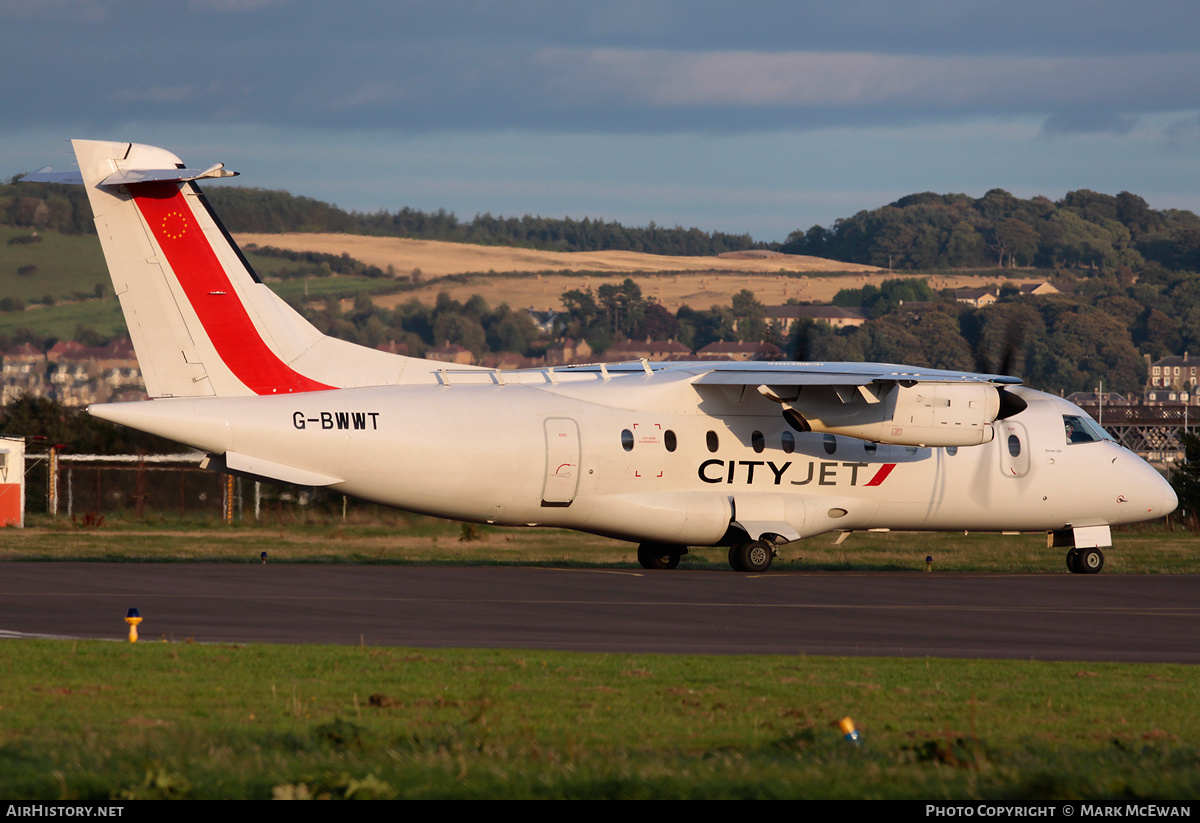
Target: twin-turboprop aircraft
[{"x": 669, "y": 455}]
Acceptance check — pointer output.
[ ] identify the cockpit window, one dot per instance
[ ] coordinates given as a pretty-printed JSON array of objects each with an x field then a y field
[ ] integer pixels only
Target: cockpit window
[{"x": 1083, "y": 430}]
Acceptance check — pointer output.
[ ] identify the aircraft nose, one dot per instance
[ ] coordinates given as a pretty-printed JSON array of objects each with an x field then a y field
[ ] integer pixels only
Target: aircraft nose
[{"x": 1170, "y": 499}]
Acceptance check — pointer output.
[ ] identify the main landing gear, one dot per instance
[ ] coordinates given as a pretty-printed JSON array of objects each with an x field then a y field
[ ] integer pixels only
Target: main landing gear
[
  {"x": 751, "y": 556},
  {"x": 660, "y": 555},
  {"x": 1085, "y": 561},
  {"x": 744, "y": 556}
]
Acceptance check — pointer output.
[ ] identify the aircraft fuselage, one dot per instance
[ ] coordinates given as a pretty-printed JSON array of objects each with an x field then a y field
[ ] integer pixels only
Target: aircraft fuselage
[{"x": 651, "y": 457}]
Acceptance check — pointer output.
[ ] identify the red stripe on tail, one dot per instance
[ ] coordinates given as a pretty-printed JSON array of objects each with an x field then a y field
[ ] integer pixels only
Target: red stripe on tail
[{"x": 207, "y": 286}]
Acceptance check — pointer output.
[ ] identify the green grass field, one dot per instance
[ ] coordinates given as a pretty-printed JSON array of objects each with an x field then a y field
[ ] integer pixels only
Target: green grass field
[
  {"x": 98, "y": 720},
  {"x": 107, "y": 720},
  {"x": 370, "y": 534},
  {"x": 65, "y": 265}
]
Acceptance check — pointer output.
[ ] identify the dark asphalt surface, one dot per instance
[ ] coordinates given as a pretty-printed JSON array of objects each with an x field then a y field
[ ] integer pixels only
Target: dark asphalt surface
[{"x": 1149, "y": 618}]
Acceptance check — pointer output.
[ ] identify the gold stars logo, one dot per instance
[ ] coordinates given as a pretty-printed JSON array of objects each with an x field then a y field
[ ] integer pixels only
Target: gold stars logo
[{"x": 174, "y": 225}]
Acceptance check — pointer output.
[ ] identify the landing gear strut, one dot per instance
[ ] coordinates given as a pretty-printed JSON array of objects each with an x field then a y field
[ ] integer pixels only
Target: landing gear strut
[
  {"x": 660, "y": 555},
  {"x": 751, "y": 556},
  {"x": 1085, "y": 561}
]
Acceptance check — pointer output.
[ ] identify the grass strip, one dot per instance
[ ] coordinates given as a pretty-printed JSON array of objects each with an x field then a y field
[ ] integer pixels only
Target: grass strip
[
  {"x": 381, "y": 536},
  {"x": 98, "y": 720}
]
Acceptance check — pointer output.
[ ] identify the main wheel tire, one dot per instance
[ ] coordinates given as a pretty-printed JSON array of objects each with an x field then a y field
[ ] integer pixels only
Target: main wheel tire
[
  {"x": 657, "y": 556},
  {"x": 1091, "y": 561},
  {"x": 1073, "y": 562},
  {"x": 752, "y": 556}
]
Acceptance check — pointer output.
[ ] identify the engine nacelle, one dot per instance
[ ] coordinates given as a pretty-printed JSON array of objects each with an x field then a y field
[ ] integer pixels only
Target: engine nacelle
[{"x": 921, "y": 414}]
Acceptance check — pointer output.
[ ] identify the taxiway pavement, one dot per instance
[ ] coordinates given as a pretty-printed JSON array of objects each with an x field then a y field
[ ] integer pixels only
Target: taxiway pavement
[{"x": 1148, "y": 618}]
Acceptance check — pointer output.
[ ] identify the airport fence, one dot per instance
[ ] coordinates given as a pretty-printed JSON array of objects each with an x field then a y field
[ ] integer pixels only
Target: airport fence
[{"x": 86, "y": 487}]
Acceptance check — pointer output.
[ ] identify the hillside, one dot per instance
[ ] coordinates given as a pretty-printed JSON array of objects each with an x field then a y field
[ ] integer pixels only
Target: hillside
[
  {"x": 436, "y": 258},
  {"x": 671, "y": 280}
]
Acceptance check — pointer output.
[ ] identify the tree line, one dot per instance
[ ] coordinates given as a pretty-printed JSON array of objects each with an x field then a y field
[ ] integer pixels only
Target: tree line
[
  {"x": 261, "y": 211},
  {"x": 926, "y": 231},
  {"x": 1084, "y": 229}
]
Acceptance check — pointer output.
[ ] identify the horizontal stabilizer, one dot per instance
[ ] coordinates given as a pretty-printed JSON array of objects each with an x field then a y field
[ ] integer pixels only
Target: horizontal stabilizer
[
  {"x": 127, "y": 177},
  {"x": 130, "y": 176},
  {"x": 49, "y": 175}
]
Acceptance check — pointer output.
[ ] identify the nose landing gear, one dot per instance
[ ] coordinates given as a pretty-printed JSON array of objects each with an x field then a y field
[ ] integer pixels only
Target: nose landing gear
[{"x": 660, "y": 555}]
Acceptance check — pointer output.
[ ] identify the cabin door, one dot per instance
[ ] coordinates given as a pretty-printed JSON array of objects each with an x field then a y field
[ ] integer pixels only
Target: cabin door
[{"x": 562, "y": 461}]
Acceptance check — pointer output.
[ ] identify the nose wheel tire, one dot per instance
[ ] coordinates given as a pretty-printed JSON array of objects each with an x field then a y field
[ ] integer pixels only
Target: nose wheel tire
[
  {"x": 658, "y": 556},
  {"x": 1091, "y": 561},
  {"x": 1073, "y": 561},
  {"x": 1085, "y": 561},
  {"x": 752, "y": 556}
]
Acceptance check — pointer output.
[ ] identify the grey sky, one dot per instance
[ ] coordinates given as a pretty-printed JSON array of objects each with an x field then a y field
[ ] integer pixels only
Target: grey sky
[{"x": 762, "y": 117}]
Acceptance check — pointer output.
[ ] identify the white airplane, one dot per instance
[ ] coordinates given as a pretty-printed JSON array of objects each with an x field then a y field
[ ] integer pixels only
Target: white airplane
[{"x": 669, "y": 455}]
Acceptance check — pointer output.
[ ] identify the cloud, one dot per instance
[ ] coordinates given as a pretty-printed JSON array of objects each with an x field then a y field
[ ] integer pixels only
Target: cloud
[
  {"x": 79, "y": 11},
  {"x": 845, "y": 80},
  {"x": 233, "y": 5},
  {"x": 158, "y": 95},
  {"x": 1088, "y": 122},
  {"x": 1184, "y": 132}
]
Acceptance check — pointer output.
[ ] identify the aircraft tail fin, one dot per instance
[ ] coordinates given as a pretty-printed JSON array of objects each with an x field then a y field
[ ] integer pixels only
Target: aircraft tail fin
[{"x": 201, "y": 321}]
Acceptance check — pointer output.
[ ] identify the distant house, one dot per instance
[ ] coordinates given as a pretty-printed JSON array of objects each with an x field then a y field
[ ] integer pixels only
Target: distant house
[
  {"x": 740, "y": 351},
  {"x": 1173, "y": 380},
  {"x": 510, "y": 360},
  {"x": 392, "y": 347},
  {"x": 977, "y": 298},
  {"x": 24, "y": 373},
  {"x": 648, "y": 349},
  {"x": 450, "y": 353},
  {"x": 1108, "y": 398},
  {"x": 837, "y": 316},
  {"x": 1038, "y": 289},
  {"x": 567, "y": 350}
]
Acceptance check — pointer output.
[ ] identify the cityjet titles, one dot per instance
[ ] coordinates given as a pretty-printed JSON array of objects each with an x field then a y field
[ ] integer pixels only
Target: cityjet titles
[
  {"x": 823, "y": 473},
  {"x": 355, "y": 420}
]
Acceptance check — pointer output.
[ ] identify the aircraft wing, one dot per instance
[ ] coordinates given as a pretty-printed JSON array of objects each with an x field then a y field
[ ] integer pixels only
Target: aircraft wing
[
  {"x": 880, "y": 402},
  {"x": 835, "y": 374}
]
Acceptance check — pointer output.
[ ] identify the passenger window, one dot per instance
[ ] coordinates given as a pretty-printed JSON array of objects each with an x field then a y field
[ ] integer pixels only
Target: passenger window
[
  {"x": 870, "y": 448},
  {"x": 952, "y": 450},
  {"x": 627, "y": 440},
  {"x": 830, "y": 444},
  {"x": 711, "y": 440},
  {"x": 789, "y": 442},
  {"x": 669, "y": 440},
  {"x": 757, "y": 442}
]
